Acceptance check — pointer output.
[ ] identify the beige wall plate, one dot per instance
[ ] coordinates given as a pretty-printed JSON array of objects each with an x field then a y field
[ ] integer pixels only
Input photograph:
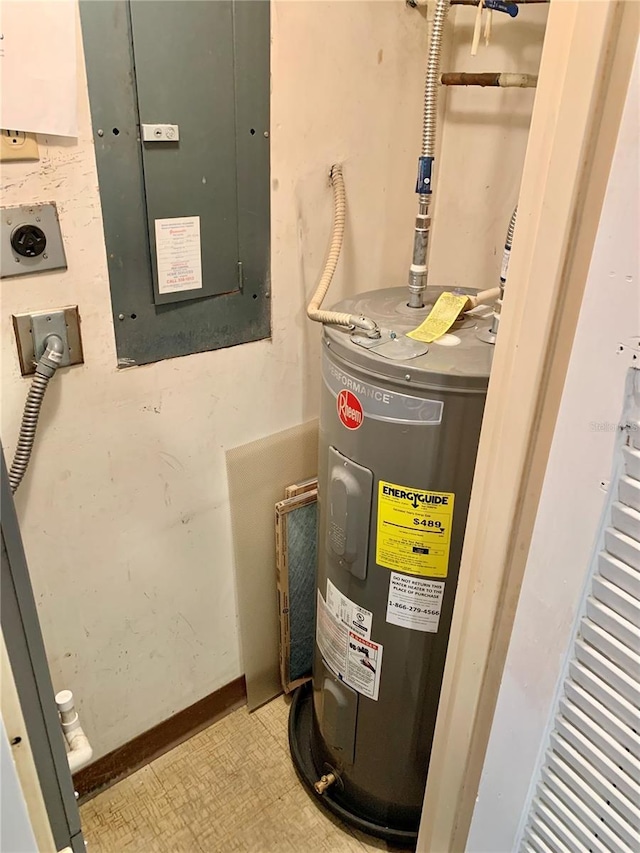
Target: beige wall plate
[
  {"x": 18, "y": 145},
  {"x": 258, "y": 474}
]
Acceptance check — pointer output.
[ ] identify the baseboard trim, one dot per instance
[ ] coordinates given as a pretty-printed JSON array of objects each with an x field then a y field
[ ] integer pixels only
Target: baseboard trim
[{"x": 134, "y": 754}]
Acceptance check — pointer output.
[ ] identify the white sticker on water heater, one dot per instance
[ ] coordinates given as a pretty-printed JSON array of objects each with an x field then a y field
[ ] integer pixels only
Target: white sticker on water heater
[
  {"x": 364, "y": 662},
  {"x": 354, "y": 659},
  {"x": 331, "y": 636},
  {"x": 414, "y": 603},
  {"x": 356, "y": 618}
]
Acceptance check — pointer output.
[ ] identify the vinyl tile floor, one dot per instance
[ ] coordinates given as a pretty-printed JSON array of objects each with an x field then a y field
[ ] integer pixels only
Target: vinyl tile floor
[{"x": 229, "y": 789}]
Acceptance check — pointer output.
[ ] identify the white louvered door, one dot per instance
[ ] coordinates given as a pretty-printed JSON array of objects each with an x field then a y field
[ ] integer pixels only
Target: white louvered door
[{"x": 588, "y": 792}]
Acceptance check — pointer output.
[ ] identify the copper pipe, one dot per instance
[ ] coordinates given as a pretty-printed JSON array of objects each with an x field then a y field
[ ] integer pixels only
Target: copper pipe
[
  {"x": 475, "y": 2},
  {"x": 503, "y": 80}
]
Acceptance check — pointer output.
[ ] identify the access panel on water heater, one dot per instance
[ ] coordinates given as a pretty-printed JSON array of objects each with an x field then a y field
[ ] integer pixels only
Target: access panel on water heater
[{"x": 350, "y": 489}]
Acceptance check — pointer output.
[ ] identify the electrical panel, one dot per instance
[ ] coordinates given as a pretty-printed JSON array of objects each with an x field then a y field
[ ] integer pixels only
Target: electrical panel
[{"x": 179, "y": 93}]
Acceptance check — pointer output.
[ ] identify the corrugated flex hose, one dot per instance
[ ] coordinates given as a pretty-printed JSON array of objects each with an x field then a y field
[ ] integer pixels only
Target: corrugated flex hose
[
  {"x": 314, "y": 310},
  {"x": 432, "y": 79},
  {"x": 508, "y": 243},
  {"x": 424, "y": 186},
  {"x": 504, "y": 271},
  {"x": 47, "y": 365}
]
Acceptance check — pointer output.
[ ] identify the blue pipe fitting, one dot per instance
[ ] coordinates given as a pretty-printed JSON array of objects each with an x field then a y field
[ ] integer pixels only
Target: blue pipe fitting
[
  {"x": 502, "y": 6},
  {"x": 423, "y": 184}
]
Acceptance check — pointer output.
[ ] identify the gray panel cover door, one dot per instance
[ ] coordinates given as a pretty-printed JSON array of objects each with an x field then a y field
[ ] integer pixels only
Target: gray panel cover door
[{"x": 183, "y": 54}]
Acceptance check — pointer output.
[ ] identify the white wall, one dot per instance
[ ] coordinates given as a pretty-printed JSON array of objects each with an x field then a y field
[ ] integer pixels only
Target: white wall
[
  {"x": 571, "y": 504},
  {"x": 482, "y": 147},
  {"x": 16, "y": 832},
  {"x": 125, "y": 511}
]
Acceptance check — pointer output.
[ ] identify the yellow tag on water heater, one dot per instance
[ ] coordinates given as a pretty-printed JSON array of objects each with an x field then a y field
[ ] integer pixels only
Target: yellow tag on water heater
[
  {"x": 441, "y": 318},
  {"x": 414, "y": 530}
]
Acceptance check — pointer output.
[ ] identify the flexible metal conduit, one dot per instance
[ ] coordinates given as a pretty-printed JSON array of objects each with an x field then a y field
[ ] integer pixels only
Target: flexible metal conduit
[
  {"x": 46, "y": 367},
  {"x": 314, "y": 311},
  {"x": 418, "y": 270}
]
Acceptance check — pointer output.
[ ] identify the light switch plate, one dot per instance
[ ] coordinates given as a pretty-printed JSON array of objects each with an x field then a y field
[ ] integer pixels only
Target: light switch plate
[
  {"x": 31, "y": 331},
  {"x": 43, "y": 217},
  {"x": 18, "y": 145}
]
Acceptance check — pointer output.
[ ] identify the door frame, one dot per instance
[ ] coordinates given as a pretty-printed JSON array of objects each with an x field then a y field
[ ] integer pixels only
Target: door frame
[{"x": 584, "y": 74}]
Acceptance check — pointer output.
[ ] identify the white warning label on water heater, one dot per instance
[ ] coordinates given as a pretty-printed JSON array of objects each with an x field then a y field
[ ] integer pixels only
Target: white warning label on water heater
[
  {"x": 355, "y": 659},
  {"x": 356, "y": 618},
  {"x": 414, "y": 603}
]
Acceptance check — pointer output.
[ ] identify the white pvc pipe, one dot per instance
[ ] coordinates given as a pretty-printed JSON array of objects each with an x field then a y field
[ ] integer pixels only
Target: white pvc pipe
[{"x": 80, "y": 750}]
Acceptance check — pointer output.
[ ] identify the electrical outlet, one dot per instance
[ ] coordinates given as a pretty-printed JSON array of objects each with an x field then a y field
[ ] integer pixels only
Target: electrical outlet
[
  {"x": 32, "y": 330},
  {"x": 30, "y": 240},
  {"x": 18, "y": 145}
]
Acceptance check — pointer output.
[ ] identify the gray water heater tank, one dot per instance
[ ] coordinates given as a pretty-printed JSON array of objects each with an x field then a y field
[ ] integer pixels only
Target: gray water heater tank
[{"x": 398, "y": 441}]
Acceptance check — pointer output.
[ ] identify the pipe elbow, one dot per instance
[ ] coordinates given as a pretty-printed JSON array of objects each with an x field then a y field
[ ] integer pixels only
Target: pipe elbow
[
  {"x": 54, "y": 344},
  {"x": 367, "y": 325},
  {"x": 80, "y": 751},
  {"x": 50, "y": 359}
]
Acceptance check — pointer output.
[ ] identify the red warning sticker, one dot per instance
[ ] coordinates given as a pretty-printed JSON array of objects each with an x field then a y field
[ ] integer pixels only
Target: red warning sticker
[{"x": 350, "y": 410}]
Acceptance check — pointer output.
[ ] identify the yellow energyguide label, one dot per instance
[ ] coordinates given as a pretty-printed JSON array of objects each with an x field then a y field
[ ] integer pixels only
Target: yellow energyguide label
[
  {"x": 414, "y": 530},
  {"x": 441, "y": 318}
]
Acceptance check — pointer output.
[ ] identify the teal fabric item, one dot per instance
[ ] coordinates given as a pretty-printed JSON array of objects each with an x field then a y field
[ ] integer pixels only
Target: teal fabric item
[{"x": 302, "y": 534}]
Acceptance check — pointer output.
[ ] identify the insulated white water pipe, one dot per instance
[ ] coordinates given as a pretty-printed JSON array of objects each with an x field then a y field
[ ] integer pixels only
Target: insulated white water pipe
[
  {"x": 482, "y": 298},
  {"x": 80, "y": 750}
]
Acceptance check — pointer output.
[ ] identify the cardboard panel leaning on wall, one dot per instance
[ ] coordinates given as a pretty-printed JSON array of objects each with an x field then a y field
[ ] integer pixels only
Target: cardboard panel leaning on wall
[{"x": 258, "y": 474}]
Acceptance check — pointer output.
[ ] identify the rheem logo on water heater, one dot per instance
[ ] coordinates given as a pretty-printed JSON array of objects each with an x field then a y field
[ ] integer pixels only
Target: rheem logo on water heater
[{"x": 349, "y": 410}]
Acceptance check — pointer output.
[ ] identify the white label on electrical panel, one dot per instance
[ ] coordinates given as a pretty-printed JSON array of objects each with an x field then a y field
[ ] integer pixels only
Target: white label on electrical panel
[
  {"x": 414, "y": 603},
  {"x": 356, "y": 618},
  {"x": 354, "y": 659},
  {"x": 178, "y": 254}
]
